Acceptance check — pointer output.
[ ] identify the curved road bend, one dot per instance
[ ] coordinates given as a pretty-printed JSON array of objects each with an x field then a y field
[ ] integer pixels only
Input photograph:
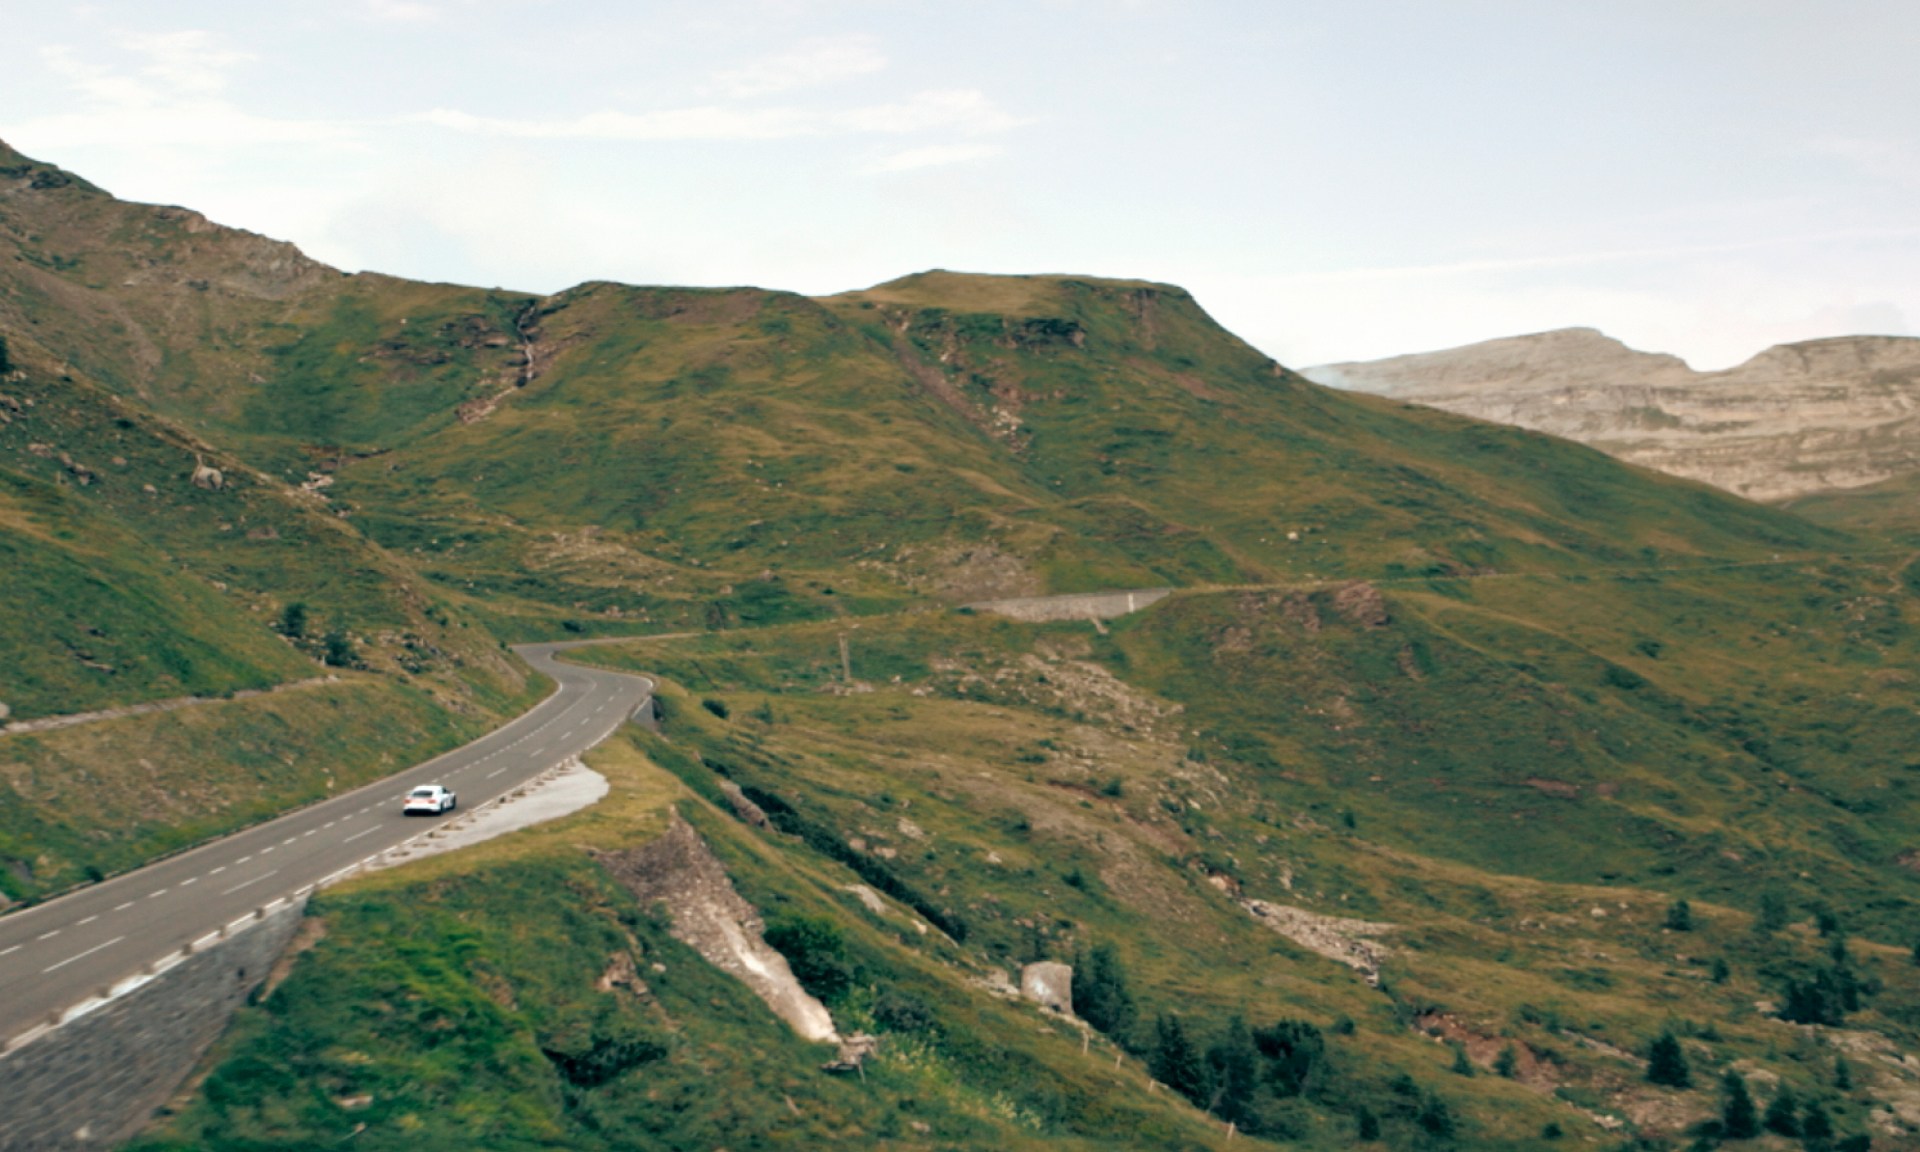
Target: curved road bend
[{"x": 54, "y": 956}]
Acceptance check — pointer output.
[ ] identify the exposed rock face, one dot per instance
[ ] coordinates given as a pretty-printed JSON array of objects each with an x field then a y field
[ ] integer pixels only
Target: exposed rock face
[
  {"x": 680, "y": 871},
  {"x": 1797, "y": 418},
  {"x": 1345, "y": 941},
  {"x": 1048, "y": 984},
  {"x": 744, "y": 808}
]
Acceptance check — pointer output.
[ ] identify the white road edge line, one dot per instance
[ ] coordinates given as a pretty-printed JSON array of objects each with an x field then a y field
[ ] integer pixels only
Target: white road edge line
[
  {"x": 255, "y": 880},
  {"x": 82, "y": 955}
]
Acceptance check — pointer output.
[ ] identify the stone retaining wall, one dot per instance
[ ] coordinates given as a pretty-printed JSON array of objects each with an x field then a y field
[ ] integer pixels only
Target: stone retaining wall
[{"x": 95, "y": 1080}]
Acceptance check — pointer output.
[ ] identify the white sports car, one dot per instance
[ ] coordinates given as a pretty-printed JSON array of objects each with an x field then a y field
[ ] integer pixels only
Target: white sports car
[{"x": 429, "y": 800}]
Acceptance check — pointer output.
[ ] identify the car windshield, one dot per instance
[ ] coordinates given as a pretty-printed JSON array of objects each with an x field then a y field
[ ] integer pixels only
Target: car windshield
[{"x": 423, "y": 792}]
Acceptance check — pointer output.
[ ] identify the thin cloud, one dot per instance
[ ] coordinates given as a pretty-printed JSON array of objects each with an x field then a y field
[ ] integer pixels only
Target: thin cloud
[
  {"x": 932, "y": 156},
  {"x": 965, "y": 111},
  {"x": 399, "y": 11},
  {"x": 1608, "y": 256},
  {"x": 172, "y": 95},
  {"x": 708, "y": 123},
  {"x": 810, "y": 64}
]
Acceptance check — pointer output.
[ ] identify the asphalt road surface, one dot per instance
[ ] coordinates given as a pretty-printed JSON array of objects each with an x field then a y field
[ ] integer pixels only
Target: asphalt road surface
[{"x": 56, "y": 955}]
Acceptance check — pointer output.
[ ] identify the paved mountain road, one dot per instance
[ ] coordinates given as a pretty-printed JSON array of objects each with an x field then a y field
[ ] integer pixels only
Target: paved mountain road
[{"x": 56, "y": 955}]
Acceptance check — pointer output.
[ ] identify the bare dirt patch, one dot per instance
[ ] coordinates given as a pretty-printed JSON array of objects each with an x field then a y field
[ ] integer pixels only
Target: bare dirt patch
[
  {"x": 1344, "y": 941},
  {"x": 681, "y": 872}
]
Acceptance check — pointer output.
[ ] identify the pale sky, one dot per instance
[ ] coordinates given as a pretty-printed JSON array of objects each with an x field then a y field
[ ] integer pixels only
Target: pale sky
[{"x": 1333, "y": 180}]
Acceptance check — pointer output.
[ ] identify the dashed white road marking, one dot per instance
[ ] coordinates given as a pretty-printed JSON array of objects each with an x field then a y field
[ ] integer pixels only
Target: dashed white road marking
[
  {"x": 46, "y": 935},
  {"x": 244, "y": 883},
  {"x": 189, "y": 880},
  {"x": 88, "y": 920},
  {"x": 357, "y": 835},
  {"x": 10, "y": 951},
  {"x": 123, "y": 907},
  {"x": 156, "y": 895},
  {"x": 218, "y": 870},
  {"x": 82, "y": 955}
]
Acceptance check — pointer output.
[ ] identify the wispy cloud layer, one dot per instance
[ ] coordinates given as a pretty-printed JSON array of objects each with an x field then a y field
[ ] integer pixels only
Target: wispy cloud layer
[
  {"x": 812, "y": 63},
  {"x": 933, "y": 156},
  {"x": 173, "y": 94},
  {"x": 965, "y": 111}
]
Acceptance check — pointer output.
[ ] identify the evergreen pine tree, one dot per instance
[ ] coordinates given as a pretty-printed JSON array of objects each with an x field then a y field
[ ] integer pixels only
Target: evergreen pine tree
[
  {"x": 1435, "y": 1118},
  {"x": 1234, "y": 1065},
  {"x": 1773, "y": 912},
  {"x": 1462, "y": 1066},
  {"x": 1814, "y": 1124},
  {"x": 1680, "y": 916},
  {"x": 1739, "y": 1119},
  {"x": 1366, "y": 1126},
  {"x": 1507, "y": 1064},
  {"x": 1783, "y": 1116},
  {"x": 1175, "y": 1062},
  {"x": 1667, "y": 1062},
  {"x": 1100, "y": 993}
]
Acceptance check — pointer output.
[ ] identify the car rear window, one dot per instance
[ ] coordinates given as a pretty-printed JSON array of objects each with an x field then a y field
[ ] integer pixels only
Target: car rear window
[{"x": 423, "y": 791}]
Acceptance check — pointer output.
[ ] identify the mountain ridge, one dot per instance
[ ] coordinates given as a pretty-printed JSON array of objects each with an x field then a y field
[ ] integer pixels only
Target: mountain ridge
[
  {"x": 1812, "y": 416},
  {"x": 1515, "y": 706}
]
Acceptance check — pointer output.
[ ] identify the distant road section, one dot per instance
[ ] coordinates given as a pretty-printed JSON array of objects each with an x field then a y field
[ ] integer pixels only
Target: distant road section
[
  {"x": 56, "y": 955},
  {"x": 1074, "y": 606}
]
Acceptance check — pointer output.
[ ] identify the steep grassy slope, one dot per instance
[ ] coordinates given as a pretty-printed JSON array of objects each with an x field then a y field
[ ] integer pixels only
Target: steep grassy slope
[
  {"x": 1011, "y": 791},
  {"x": 707, "y": 457},
  {"x": 1889, "y": 509},
  {"x": 93, "y": 620},
  {"x": 128, "y": 583},
  {"x": 1465, "y": 707},
  {"x": 746, "y": 457},
  {"x": 144, "y": 563}
]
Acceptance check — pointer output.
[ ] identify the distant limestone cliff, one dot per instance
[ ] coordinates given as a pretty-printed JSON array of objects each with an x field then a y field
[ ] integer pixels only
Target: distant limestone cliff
[{"x": 1818, "y": 416}]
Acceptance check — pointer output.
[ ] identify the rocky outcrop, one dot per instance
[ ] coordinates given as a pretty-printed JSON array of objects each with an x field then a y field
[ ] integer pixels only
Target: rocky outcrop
[
  {"x": 1049, "y": 984},
  {"x": 681, "y": 872},
  {"x": 1818, "y": 416},
  {"x": 1345, "y": 941}
]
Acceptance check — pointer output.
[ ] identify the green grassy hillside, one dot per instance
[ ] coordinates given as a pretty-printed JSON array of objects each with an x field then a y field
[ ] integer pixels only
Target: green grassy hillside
[
  {"x": 1890, "y": 508},
  {"x": 741, "y": 457},
  {"x": 1011, "y": 791},
  {"x": 1563, "y": 755},
  {"x": 145, "y": 563}
]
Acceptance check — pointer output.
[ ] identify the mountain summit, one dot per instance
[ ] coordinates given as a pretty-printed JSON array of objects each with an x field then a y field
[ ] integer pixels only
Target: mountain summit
[{"x": 1817, "y": 416}]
